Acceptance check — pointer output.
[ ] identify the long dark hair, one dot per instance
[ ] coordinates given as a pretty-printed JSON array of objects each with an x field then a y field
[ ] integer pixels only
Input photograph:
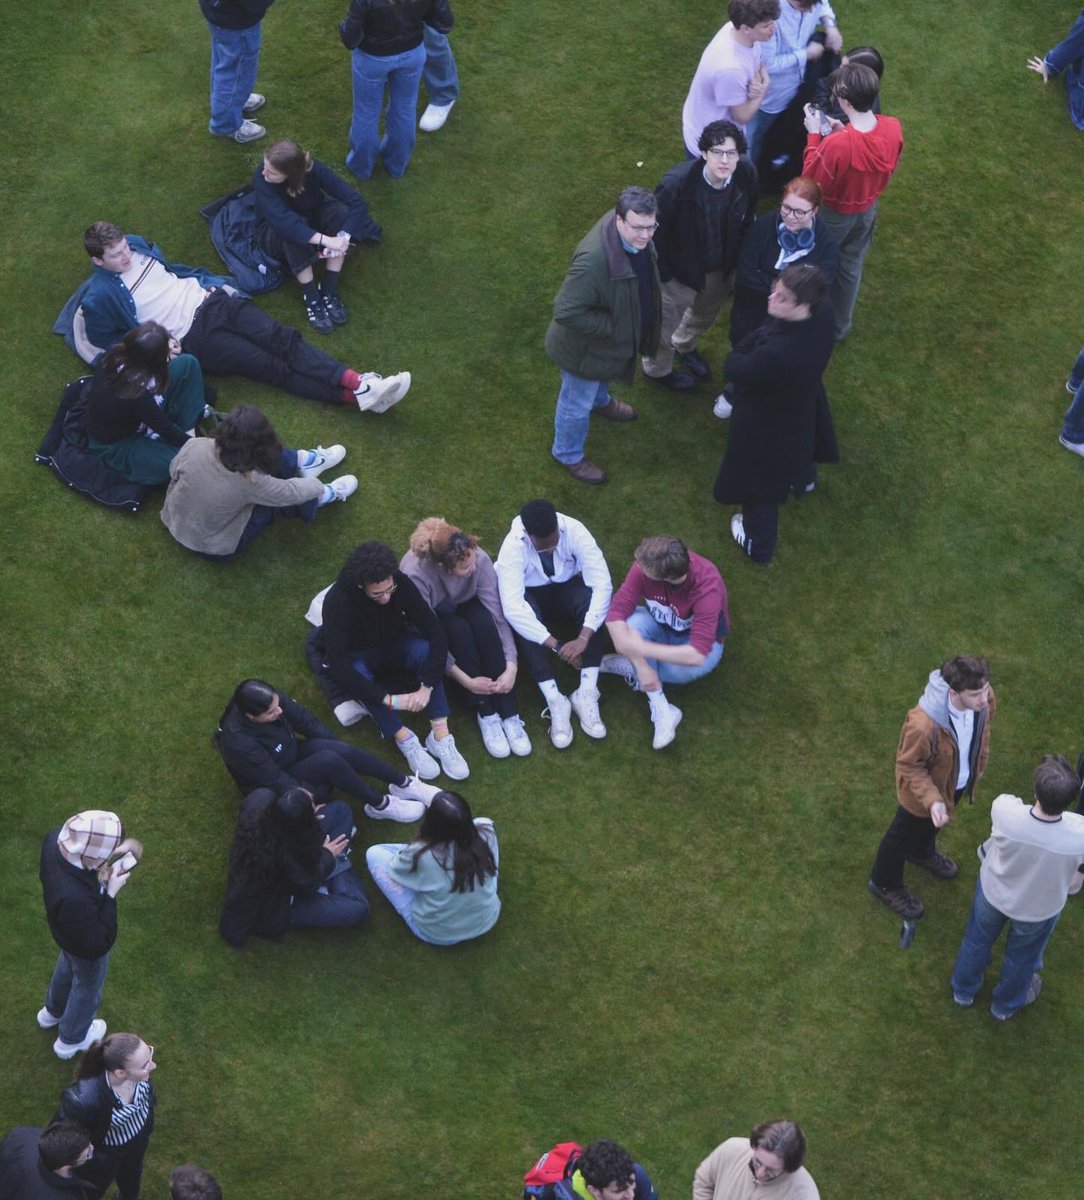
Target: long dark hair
[
  {"x": 109, "y": 1054},
  {"x": 287, "y": 827},
  {"x": 448, "y": 831},
  {"x": 247, "y": 441},
  {"x": 139, "y": 362},
  {"x": 288, "y": 157}
]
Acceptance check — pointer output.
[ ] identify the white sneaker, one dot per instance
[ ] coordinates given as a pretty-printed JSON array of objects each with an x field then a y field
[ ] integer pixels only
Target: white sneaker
[
  {"x": 396, "y": 809},
  {"x": 434, "y": 117},
  {"x": 665, "y": 728},
  {"x": 585, "y": 705},
  {"x": 254, "y": 103},
  {"x": 414, "y": 789},
  {"x": 341, "y": 488},
  {"x": 737, "y": 532},
  {"x": 377, "y": 394},
  {"x": 493, "y": 737},
  {"x": 723, "y": 408},
  {"x": 46, "y": 1020},
  {"x": 350, "y": 712},
  {"x": 249, "y": 131},
  {"x": 421, "y": 764},
  {"x": 560, "y": 715},
  {"x": 618, "y": 664},
  {"x": 452, "y": 763},
  {"x": 94, "y": 1034},
  {"x": 515, "y": 734},
  {"x": 319, "y": 460},
  {"x": 1075, "y": 447}
]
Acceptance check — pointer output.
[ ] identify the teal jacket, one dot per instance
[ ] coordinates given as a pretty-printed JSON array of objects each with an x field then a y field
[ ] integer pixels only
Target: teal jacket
[{"x": 595, "y": 331}]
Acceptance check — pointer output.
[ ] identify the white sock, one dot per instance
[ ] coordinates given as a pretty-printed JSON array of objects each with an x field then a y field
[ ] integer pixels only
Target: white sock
[
  {"x": 660, "y": 706},
  {"x": 550, "y": 690},
  {"x": 589, "y": 679}
]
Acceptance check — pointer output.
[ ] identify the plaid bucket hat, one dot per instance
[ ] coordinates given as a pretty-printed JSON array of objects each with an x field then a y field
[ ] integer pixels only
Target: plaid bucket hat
[{"x": 89, "y": 838}]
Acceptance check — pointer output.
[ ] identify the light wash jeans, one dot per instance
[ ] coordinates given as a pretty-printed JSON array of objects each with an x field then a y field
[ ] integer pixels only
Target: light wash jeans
[
  {"x": 74, "y": 993},
  {"x": 400, "y": 75},
  {"x": 377, "y": 859},
  {"x": 576, "y": 400},
  {"x": 650, "y": 630},
  {"x": 441, "y": 75},
  {"x": 235, "y": 59}
]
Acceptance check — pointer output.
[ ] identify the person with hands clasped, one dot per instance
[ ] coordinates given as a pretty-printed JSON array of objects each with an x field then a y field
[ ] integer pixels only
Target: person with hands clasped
[{"x": 84, "y": 864}]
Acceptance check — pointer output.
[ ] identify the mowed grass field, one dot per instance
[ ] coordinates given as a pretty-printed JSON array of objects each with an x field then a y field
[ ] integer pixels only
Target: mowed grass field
[{"x": 687, "y": 946}]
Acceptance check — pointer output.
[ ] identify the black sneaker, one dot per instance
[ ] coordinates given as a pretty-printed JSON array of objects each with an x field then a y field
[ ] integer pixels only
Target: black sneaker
[
  {"x": 696, "y": 362},
  {"x": 318, "y": 318},
  {"x": 937, "y": 864},
  {"x": 900, "y": 900},
  {"x": 336, "y": 310}
]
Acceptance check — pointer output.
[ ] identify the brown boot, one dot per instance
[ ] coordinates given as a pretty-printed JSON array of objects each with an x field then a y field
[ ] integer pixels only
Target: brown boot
[
  {"x": 585, "y": 471},
  {"x": 616, "y": 410}
]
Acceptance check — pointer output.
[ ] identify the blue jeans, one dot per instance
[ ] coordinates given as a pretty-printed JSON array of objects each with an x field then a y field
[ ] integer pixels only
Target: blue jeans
[
  {"x": 74, "y": 993},
  {"x": 401, "y": 75},
  {"x": 377, "y": 859},
  {"x": 410, "y": 653},
  {"x": 344, "y": 903},
  {"x": 440, "y": 75},
  {"x": 650, "y": 630},
  {"x": 263, "y": 515},
  {"x": 1068, "y": 56},
  {"x": 1073, "y": 427},
  {"x": 576, "y": 400},
  {"x": 235, "y": 59},
  {"x": 756, "y": 129},
  {"x": 1024, "y": 948}
]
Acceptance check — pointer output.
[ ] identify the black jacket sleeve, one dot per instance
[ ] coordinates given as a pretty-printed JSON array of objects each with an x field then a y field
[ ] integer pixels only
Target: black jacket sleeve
[{"x": 428, "y": 625}]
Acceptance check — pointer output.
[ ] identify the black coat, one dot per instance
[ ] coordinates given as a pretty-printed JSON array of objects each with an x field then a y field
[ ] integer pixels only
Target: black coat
[
  {"x": 776, "y": 376},
  {"x": 82, "y": 916},
  {"x": 90, "y": 1103},
  {"x": 260, "y": 754},
  {"x": 23, "y": 1176}
]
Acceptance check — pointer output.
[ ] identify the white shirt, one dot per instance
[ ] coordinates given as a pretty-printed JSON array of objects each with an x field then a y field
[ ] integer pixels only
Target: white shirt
[
  {"x": 519, "y": 567},
  {"x": 160, "y": 296}
]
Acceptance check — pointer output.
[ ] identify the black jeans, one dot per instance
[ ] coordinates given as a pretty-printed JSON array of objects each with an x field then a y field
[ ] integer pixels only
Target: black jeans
[
  {"x": 907, "y": 837},
  {"x": 475, "y": 645},
  {"x": 234, "y": 336},
  {"x": 565, "y": 604},
  {"x": 761, "y": 525},
  {"x": 328, "y": 763}
]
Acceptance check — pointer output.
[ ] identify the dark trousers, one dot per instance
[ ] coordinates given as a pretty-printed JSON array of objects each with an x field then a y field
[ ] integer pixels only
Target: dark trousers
[
  {"x": 407, "y": 653},
  {"x": 761, "y": 524},
  {"x": 263, "y": 515},
  {"x": 564, "y": 605},
  {"x": 329, "y": 763},
  {"x": 475, "y": 645},
  {"x": 234, "y": 336},
  {"x": 122, "y": 1164},
  {"x": 344, "y": 903},
  {"x": 329, "y": 218},
  {"x": 907, "y": 837}
]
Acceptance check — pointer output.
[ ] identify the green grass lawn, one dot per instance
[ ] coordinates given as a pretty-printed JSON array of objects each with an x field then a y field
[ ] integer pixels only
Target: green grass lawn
[{"x": 687, "y": 946}]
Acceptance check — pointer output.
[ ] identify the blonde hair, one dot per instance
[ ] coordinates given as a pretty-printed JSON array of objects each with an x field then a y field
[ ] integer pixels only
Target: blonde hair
[{"x": 437, "y": 541}]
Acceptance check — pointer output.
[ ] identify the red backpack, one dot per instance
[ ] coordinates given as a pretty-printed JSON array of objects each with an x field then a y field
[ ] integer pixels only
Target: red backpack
[{"x": 549, "y": 1178}]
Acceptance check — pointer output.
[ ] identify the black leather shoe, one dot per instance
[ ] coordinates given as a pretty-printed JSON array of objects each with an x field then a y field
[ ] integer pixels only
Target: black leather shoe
[
  {"x": 696, "y": 362},
  {"x": 676, "y": 381}
]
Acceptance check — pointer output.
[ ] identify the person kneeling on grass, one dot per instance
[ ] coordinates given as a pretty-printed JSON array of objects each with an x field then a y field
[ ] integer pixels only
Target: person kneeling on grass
[
  {"x": 307, "y": 213},
  {"x": 290, "y": 866},
  {"x": 225, "y": 491},
  {"x": 268, "y": 740},
  {"x": 444, "y": 885},
  {"x": 667, "y": 621}
]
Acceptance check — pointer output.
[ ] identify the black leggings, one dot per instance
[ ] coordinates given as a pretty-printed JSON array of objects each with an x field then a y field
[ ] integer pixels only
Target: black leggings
[
  {"x": 328, "y": 763},
  {"x": 475, "y": 644}
]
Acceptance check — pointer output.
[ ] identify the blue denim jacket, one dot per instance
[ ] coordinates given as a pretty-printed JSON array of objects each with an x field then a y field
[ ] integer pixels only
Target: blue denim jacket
[{"x": 1068, "y": 56}]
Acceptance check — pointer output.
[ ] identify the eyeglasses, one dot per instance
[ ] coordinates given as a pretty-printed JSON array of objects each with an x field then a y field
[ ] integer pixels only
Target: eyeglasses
[
  {"x": 766, "y": 1173},
  {"x": 786, "y": 210},
  {"x": 719, "y": 152},
  {"x": 380, "y": 593},
  {"x": 648, "y": 229}
]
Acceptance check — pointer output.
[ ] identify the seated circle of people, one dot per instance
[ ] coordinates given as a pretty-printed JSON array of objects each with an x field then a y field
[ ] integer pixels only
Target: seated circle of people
[
  {"x": 457, "y": 579},
  {"x": 40, "y": 1164},
  {"x": 290, "y": 867},
  {"x": 668, "y": 622},
  {"x": 113, "y": 1098},
  {"x": 781, "y": 425},
  {"x": 551, "y": 573},
  {"x": 444, "y": 885},
  {"x": 770, "y": 1161},
  {"x": 375, "y": 626},
  {"x": 84, "y": 865},
  {"x": 132, "y": 281},
  {"x": 225, "y": 490},
  {"x": 706, "y": 206},
  {"x": 268, "y": 740},
  {"x": 190, "y": 1182},
  {"x": 308, "y": 215},
  {"x": 144, "y": 404}
]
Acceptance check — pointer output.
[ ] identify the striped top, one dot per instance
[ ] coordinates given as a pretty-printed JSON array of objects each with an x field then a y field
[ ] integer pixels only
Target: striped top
[{"x": 128, "y": 1119}]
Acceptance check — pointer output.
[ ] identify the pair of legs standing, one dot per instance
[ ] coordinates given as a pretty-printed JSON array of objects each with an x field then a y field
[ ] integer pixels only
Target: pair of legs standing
[
  {"x": 687, "y": 315},
  {"x": 73, "y": 996},
  {"x": 400, "y": 76},
  {"x": 854, "y": 233},
  {"x": 235, "y": 59}
]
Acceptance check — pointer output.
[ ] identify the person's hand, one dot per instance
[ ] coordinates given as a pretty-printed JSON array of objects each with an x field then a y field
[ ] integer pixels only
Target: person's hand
[
  {"x": 174, "y": 347},
  {"x": 939, "y": 813},
  {"x": 814, "y": 51},
  {"x": 834, "y": 123},
  {"x": 833, "y": 39},
  {"x": 1035, "y": 63},
  {"x": 337, "y": 845},
  {"x": 506, "y": 680},
  {"x": 572, "y": 651},
  {"x": 117, "y": 881},
  {"x": 337, "y": 245},
  {"x": 415, "y": 701},
  {"x": 812, "y": 119},
  {"x": 758, "y": 85},
  {"x": 318, "y": 809},
  {"x": 480, "y": 685}
]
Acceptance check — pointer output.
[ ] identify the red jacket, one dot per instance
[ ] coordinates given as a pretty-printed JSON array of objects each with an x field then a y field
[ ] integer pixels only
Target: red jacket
[{"x": 854, "y": 168}]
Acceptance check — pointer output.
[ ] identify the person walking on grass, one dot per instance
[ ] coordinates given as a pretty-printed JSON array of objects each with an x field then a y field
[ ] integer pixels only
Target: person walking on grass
[
  {"x": 1029, "y": 863},
  {"x": 942, "y": 754},
  {"x": 235, "y": 27}
]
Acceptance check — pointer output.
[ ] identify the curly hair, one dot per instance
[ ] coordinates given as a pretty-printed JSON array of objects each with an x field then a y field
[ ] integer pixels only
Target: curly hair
[
  {"x": 247, "y": 441},
  {"x": 100, "y": 236},
  {"x": 604, "y": 1162},
  {"x": 435, "y": 540},
  {"x": 371, "y": 562}
]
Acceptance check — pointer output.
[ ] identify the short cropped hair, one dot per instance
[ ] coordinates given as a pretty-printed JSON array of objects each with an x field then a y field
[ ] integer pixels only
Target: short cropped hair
[
  {"x": 604, "y": 1162},
  {"x": 752, "y": 12},
  {"x": 965, "y": 673},
  {"x": 717, "y": 132},
  {"x": 858, "y": 85},
  {"x": 61, "y": 1144},
  {"x": 371, "y": 562},
  {"x": 638, "y": 200},
  {"x": 784, "y": 1138},
  {"x": 806, "y": 283},
  {"x": 539, "y": 518},
  {"x": 1057, "y": 785},
  {"x": 189, "y": 1182},
  {"x": 664, "y": 557},
  {"x": 100, "y": 236}
]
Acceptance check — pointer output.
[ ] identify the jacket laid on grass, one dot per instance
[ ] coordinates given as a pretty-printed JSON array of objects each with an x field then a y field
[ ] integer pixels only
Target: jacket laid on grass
[
  {"x": 259, "y": 754},
  {"x": 82, "y": 915},
  {"x": 595, "y": 331}
]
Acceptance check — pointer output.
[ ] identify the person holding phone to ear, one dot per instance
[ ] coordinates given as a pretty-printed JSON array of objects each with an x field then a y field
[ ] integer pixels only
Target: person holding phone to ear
[{"x": 84, "y": 865}]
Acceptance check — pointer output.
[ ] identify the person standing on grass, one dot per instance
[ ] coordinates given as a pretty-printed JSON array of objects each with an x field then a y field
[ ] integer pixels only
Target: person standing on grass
[
  {"x": 1029, "y": 863},
  {"x": 441, "y": 79},
  {"x": 942, "y": 754},
  {"x": 706, "y": 207},
  {"x": 667, "y": 621},
  {"x": 1067, "y": 56},
  {"x": 40, "y": 1164},
  {"x": 606, "y": 316},
  {"x": 235, "y": 60},
  {"x": 84, "y": 864},
  {"x": 853, "y": 165},
  {"x": 768, "y": 1162}
]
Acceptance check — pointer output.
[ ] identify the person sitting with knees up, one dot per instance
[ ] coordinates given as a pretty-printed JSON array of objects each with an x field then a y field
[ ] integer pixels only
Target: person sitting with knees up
[
  {"x": 144, "y": 404},
  {"x": 290, "y": 866},
  {"x": 444, "y": 885},
  {"x": 268, "y": 740},
  {"x": 226, "y": 490},
  {"x": 456, "y": 578},
  {"x": 307, "y": 213}
]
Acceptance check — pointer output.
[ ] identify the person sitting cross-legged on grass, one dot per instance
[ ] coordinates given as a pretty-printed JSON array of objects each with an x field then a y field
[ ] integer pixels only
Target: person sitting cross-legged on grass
[
  {"x": 290, "y": 866},
  {"x": 224, "y": 491},
  {"x": 376, "y": 622},
  {"x": 133, "y": 281},
  {"x": 457, "y": 579},
  {"x": 667, "y": 621},
  {"x": 551, "y": 573},
  {"x": 444, "y": 885},
  {"x": 268, "y": 740}
]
